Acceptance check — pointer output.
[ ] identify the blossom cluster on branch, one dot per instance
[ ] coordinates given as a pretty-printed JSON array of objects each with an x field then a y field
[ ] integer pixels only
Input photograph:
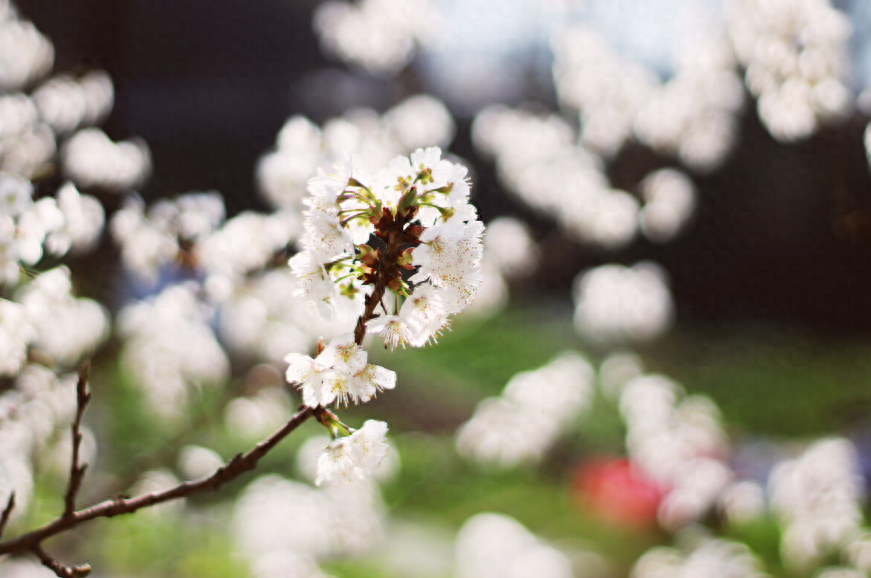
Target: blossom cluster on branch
[{"x": 360, "y": 233}]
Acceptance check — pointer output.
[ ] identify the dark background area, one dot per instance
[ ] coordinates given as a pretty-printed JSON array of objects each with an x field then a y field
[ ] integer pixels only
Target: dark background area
[{"x": 782, "y": 234}]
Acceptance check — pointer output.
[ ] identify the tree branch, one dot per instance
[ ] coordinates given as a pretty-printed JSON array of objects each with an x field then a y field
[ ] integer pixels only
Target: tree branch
[
  {"x": 77, "y": 472},
  {"x": 58, "y": 568},
  {"x": 109, "y": 508},
  {"x": 7, "y": 511}
]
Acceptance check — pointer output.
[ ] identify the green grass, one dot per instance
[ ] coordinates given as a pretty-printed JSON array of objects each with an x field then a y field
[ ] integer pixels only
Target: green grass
[{"x": 780, "y": 384}]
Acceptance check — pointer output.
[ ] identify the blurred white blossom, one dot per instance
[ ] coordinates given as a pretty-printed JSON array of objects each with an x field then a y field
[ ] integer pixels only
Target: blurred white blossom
[
  {"x": 669, "y": 201},
  {"x": 91, "y": 160},
  {"x": 67, "y": 327},
  {"x": 534, "y": 409},
  {"x": 350, "y": 520},
  {"x": 497, "y": 546},
  {"x": 679, "y": 443},
  {"x": 509, "y": 247},
  {"x": 817, "y": 497},
  {"x": 712, "y": 558},
  {"x": 795, "y": 56},
  {"x": 66, "y": 104},
  {"x": 170, "y": 350},
  {"x": 614, "y": 303},
  {"x": 25, "y": 54},
  {"x": 371, "y": 140},
  {"x": 538, "y": 160},
  {"x": 198, "y": 462},
  {"x": 30, "y": 415},
  {"x": 691, "y": 116},
  {"x": 392, "y": 29}
]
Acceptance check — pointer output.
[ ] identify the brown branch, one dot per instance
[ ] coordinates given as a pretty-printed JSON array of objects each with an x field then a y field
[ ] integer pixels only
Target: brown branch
[
  {"x": 77, "y": 472},
  {"x": 58, "y": 568},
  {"x": 7, "y": 512},
  {"x": 372, "y": 301},
  {"x": 109, "y": 508},
  {"x": 394, "y": 244}
]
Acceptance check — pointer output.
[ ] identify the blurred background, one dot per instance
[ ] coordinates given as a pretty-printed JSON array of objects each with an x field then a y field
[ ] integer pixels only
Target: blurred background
[{"x": 667, "y": 372}]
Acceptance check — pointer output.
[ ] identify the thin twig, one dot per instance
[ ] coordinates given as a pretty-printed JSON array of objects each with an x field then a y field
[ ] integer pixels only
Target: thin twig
[
  {"x": 77, "y": 472},
  {"x": 7, "y": 512},
  {"x": 58, "y": 568},
  {"x": 109, "y": 508}
]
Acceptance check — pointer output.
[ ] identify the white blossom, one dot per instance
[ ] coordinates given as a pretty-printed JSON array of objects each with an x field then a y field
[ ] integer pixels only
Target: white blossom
[
  {"x": 25, "y": 54},
  {"x": 670, "y": 200},
  {"x": 817, "y": 496},
  {"x": 340, "y": 373},
  {"x": 83, "y": 219},
  {"x": 795, "y": 55},
  {"x": 90, "y": 159},
  {"x": 16, "y": 333},
  {"x": 10, "y": 252},
  {"x": 390, "y": 36},
  {"x": 711, "y": 558},
  {"x": 614, "y": 303},
  {"x": 170, "y": 348},
  {"x": 394, "y": 330},
  {"x": 494, "y": 546},
  {"x": 355, "y": 457},
  {"x": 534, "y": 409}
]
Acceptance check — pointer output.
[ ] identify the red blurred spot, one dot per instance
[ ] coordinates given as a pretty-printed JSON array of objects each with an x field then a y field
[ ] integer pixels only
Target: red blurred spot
[{"x": 615, "y": 490}]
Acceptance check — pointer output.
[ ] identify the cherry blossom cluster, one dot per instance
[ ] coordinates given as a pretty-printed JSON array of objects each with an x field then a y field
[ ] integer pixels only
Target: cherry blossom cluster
[
  {"x": 29, "y": 229},
  {"x": 535, "y": 408},
  {"x": 670, "y": 200},
  {"x": 25, "y": 53},
  {"x": 390, "y": 41},
  {"x": 191, "y": 229},
  {"x": 171, "y": 349},
  {"x": 707, "y": 558},
  {"x": 353, "y": 517},
  {"x": 417, "y": 213},
  {"x": 59, "y": 114},
  {"x": 614, "y": 303},
  {"x": 65, "y": 103},
  {"x": 360, "y": 233},
  {"x": 817, "y": 497},
  {"x": 340, "y": 373},
  {"x": 372, "y": 139},
  {"x": 494, "y": 545},
  {"x": 92, "y": 160},
  {"x": 356, "y": 456},
  {"x": 257, "y": 320},
  {"x": 677, "y": 442},
  {"x": 538, "y": 160},
  {"x": 46, "y": 317},
  {"x": 691, "y": 116},
  {"x": 67, "y": 327},
  {"x": 795, "y": 55}
]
